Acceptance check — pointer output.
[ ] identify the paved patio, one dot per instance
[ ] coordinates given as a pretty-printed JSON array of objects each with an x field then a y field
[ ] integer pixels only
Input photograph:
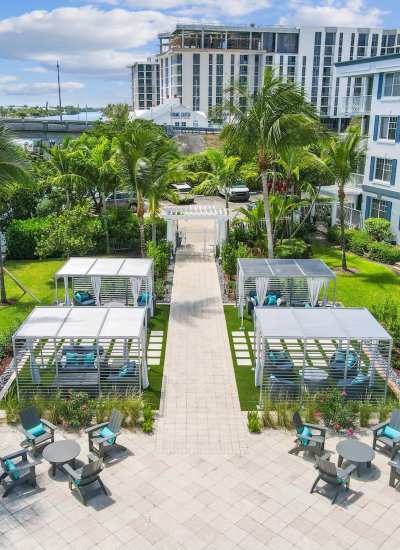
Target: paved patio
[{"x": 257, "y": 499}]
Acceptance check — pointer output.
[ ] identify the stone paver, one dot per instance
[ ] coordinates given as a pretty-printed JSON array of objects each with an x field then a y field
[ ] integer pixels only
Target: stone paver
[{"x": 200, "y": 406}]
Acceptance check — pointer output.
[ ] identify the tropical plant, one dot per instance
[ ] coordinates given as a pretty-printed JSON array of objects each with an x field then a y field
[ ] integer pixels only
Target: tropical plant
[
  {"x": 342, "y": 156},
  {"x": 378, "y": 229},
  {"x": 14, "y": 167},
  {"x": 253, "y": 422},
  {"x": 117, "y": 114},
  {"x": 135, "y": 145},
  {"x": 277, "y": 116}
]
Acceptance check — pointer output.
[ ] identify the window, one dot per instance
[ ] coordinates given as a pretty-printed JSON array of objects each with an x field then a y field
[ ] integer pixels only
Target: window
[
  {"x": 388, "y": 127},
  {"x": 287, "y": 43},
  {"x": 196, "y": 82},
  {"x": 388, "y": 43},
  {"x": 269, "y": 59},
  {"x": 392, "y": 85},
  {"x": 210, "y": 79},
  {"x": 383, "y": 170},
  {"x": 340, "y": 47},
  {"x": 380, "y": 209},
  {"x": 374, "y": 45},
  {"x": 362, "y": 45},
  {"x": 353, "y": 37}
]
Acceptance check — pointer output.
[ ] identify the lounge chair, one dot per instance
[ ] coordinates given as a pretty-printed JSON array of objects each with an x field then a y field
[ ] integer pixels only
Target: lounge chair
[
  {"x": 331, "y": 474},
  {"x": 280, "y": 388},
  {"x": 310, "y": 437},
  {"x": 38, "y": 431},
  {"x": 279, "y": 363},
  {"x": 103, "y": 436},
  {"x": 337, "y": 364},
  {"x": 388, "y": 433},
  {"x": 80, "y": 358},
  {"x": 355, "y": 388},
  {"x": 17, "y": 469},
  {"x": 85, "y": 476},
  {"x": 83, "y": 298}
]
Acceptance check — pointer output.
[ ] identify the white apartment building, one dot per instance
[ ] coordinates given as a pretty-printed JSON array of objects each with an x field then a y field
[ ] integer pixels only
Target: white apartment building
[
  {"x": 145, "y": 87},
  {"x": 198, "y": 63},
  {"x": 379, "y": 104}
]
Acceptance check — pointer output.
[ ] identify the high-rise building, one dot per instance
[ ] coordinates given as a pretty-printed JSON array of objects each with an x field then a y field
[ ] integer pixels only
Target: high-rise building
[
  {"x": 145, "y": 84},
  {"x": 199, "y": 63}
]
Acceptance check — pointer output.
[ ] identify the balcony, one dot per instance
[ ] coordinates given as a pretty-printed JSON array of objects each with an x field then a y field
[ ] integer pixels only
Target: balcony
[
  {"x": 356, "y": 105},
  {"x": 356, "y": 181}
]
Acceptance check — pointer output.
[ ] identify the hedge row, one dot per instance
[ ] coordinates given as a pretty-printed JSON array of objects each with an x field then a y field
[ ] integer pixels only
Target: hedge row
[{"x": 361, "y": 243}]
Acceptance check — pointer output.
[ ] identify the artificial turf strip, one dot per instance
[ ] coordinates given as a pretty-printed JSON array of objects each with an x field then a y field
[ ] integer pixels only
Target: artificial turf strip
[
  {"x": 249, "y": 395},
  {"x": 158, "y": 322}
]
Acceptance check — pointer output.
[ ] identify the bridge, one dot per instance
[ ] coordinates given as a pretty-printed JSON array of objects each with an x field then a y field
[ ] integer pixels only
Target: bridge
[{"x": 35, "y": 126}]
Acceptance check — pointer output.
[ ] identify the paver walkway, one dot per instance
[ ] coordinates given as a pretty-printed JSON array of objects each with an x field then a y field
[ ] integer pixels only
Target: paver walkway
[{"x": 200, "y": 406}]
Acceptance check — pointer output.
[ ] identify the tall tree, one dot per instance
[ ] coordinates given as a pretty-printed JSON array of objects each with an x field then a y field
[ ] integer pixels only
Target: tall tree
[
  {"x": 14, "y": 167},
  {"x": 277, "y": 115},
  {"x": 342, "y": 156},
  {"x": 134, "y": 147}
]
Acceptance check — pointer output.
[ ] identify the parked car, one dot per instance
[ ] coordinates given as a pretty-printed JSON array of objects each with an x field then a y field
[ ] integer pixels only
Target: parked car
[
  {"x": 122, "y": 198},
  {"x": 184, "y": 192},
  {"x": 238, "y": 191}
]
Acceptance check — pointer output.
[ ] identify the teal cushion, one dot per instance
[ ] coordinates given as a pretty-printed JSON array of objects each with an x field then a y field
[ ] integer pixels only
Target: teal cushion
[
  {"x": 359, "y": 379},
  {"x": 72, "y": 357},
  {"x": 307, "y": 306},
  {"x": 11, "y": 468},
  {"x": 272, "y": 300},
  {"x": 38, "y": 430},
  {"x": 123, "y": 371},
  {"x": 106, "y": 432},
  {"x": 305, "y": 431},
  {"x": 144, "y": 298},
  {"x": 390, "y": 432},
  {"x": 81, "y": 296},
  {"x": 88, "y": 357}
]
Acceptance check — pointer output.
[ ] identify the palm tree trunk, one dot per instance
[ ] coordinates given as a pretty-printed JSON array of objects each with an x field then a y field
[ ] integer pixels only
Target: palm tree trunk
[
  {"x": 268, "y": 224},
  {"x": 227, "y": 209},
  {"x": 105, "y": 223},
  {"x": 154, "y": 232},
  {"x": 341, "y": 195},
  {"x": 3, "y": 294}
]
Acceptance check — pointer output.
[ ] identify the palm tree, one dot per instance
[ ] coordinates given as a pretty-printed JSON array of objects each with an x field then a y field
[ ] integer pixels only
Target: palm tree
[
  {"x": 134, "y": 147},
  {"x": 14, "y": 167},
  {"x": 97, "y": 164},
  {"x": 277, "y": 115},
  {"x": 64, "y": 161},
  {"x": 342, "y": 157}
]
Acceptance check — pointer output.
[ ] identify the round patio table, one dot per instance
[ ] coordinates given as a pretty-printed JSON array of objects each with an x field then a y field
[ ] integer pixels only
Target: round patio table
[
  {"x": 355, "y": 452},
  {"x": 314, "y": 378},
  {"x": 61, "y": 452}
]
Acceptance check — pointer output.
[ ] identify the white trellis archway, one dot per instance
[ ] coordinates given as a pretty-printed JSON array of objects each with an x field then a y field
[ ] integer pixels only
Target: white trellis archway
[{"x": 174, "y": 214}]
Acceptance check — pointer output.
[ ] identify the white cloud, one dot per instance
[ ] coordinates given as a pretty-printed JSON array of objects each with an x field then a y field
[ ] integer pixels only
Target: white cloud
[
  {"x": 5, "y": 78},
  {"x": 211, "y": 8},
  {"x": 333, "y": 12},
  {"x": 85, "y": 39},
  {"x": 37, "y": 69},
  {"x": 37, "y": 88}
]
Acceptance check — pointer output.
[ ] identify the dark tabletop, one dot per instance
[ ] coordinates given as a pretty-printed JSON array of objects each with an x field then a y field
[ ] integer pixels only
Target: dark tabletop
[
  {"x": 355, "y": 451},
  {"x": 313, "y": 373},
  {"x": 61, "y": 451}
]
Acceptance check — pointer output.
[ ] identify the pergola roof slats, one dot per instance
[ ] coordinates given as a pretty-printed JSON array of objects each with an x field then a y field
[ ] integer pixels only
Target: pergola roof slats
[
  {"x": 88, "y": 322},
  {"x": 106, "y": 267},
  {"x": 195, "y": 211},
  {"x": 316, "y": 323},
  {"x": 290, "y": 268}
]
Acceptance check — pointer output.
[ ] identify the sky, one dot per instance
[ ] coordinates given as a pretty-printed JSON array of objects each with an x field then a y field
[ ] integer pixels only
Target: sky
[{"x": 96, "y": 40}]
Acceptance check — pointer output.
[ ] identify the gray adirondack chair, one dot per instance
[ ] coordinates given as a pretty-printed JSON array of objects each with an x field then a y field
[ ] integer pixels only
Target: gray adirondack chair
[
  {"x": 394, "y": 470},
  {"x": 100, "y": 445},
  {"x": 82, "y": 478},
  {"x": 334, "y": 476},
  {"x": 23, "y": 470},
  {"x": 314, "y": 443},
  {"x": 393, "y": 445},
  {"x": 30, "y": 419}
]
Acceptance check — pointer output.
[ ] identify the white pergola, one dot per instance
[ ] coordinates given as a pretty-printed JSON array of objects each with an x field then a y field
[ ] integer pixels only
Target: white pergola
[
  {"x": 297, "y": 282},
  {"x": 94, "y": 349},
  {"x": 110, "y": 281},
  {"x": 299, "y": 351},
  {"x": 174, "y": 214}
]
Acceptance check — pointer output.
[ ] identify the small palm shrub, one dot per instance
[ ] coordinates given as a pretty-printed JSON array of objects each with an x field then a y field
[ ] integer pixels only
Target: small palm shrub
[{"x": 253, "y": 422}]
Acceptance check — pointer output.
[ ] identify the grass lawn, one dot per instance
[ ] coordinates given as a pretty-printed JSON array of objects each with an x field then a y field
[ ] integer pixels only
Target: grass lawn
[
  {"x": 372, "y": 284},
  {"x": 158, "y": 322},
  {"x": 248, "y": 394},
  {"x": 38, "y": 277}
]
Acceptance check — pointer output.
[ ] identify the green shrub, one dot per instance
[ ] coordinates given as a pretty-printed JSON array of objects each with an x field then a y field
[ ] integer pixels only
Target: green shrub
[
  {"x": 148, "y": 419},
  {"x": 292, "y": 248},
  {"x": 160, "y": 253},
  {"x": 159, "y": 289},
  {"x": 78, "y": 410},
  {"x": 378, "y": 229},
  {"x": 6, "y": 339},
  {"x": 23, "y": 236},
  {"x": 267, "y": 418},
  {"x": 384, "y": 252},
  {"x": 161, "y": 228},
  {"x": 284, "y": 415},
  {"x": 230, "y": 252},
  {"x": 253, "y": 422},
  {"x": 359, "y": 242},
  {"x": 123, "y": 228},
  {"x": 335, "y": 410},
  {"x": 333, "y": 234},
  {"x": 365, "y": 410},
  {"x": 131, "y": 407}
]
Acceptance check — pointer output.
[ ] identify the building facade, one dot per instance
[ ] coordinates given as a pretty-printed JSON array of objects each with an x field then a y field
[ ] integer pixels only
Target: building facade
[
  {"x": 379, "y": 108},
  {"x": 173, "y": 113},
  {"x": 145, "y": 78},
  {"x": 199, "y": 63}
]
